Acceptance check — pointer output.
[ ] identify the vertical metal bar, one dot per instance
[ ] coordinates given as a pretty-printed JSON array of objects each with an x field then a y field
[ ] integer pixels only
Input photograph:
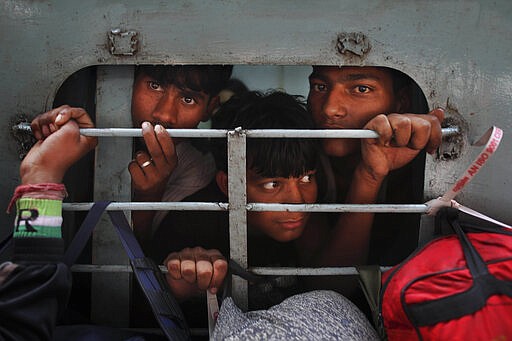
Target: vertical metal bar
[
  {"x": 111, "y": 291},
  {"x": 237, "y": 211},
  {"x": 427, "y": 229}
]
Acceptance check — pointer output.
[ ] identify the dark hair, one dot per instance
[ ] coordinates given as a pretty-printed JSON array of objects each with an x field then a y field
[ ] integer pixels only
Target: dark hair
[
  {"x": 269, "y": 157},
  {"x": 236, "y": 86},
  {"x": 400, "y": 79},
  {"x": 207, "y": 78}
]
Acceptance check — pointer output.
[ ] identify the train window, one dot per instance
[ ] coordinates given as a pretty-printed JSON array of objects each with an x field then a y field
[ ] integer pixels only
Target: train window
[{"x": 106, "y": 93}]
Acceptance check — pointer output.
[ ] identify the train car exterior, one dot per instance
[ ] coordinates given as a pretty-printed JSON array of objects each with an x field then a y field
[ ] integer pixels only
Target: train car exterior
[{"x": 458, "y": 52}]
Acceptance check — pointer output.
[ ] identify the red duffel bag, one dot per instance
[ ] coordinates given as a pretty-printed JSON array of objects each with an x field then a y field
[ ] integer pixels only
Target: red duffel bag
[{"x": 457, "y": 287}]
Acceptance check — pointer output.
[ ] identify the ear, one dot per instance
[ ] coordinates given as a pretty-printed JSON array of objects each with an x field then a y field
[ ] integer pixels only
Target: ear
[
  {"x": 213, "y": 105},
  {"x": 222, "y": 181},
  {"x": 403, "y": 100}
]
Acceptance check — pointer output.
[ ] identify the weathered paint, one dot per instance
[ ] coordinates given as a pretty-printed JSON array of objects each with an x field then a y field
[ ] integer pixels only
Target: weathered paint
[
  {"x": 459, "y": 52},
  {"x": 236, "y": 148}
]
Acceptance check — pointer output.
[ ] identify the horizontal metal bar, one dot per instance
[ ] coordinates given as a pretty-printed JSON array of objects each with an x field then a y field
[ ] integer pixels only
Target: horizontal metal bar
[
  {"x": 328, "y": 133},
  {"x": 135, "y": 132},
  {"x": 264, "y": 271},
  {"x": 157, "y": 206},
  {"x": 256, "y": 207},
  {"x": 377, "y": 208},
  {"x": 106, "y": 268},
  {"x": 254, "y": 133},
  {"x": 331, "y": 271},
  {"x": 295, "y": 133}
]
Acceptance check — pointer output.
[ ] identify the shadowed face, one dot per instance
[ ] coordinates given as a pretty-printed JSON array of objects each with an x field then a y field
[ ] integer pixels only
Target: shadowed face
[
  {"x": 171, "y": 106},
  {"x": 281, "y": 226},
  {"x": 347, "y": 98}
]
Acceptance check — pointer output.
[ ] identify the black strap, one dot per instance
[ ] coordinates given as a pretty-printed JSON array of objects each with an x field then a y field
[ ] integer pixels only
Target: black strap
[
  {"x": 465, "y": 303},
  {"x": 237, "y": 269},
  {"x": 149, "y": 276},
  {"x": 370, "y": 281}
]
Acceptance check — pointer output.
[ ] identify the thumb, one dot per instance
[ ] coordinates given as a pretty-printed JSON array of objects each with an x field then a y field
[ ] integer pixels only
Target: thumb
[
  {"x": 63, "y": 116},
  {"x": 439, "y": 113},
  {"x": 78, "y": 114}
]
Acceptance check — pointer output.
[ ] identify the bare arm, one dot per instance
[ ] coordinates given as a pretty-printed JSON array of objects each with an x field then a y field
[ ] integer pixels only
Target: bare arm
[
  {"x": 401, "y": 138},
  {"x": 33, "y": 296}
]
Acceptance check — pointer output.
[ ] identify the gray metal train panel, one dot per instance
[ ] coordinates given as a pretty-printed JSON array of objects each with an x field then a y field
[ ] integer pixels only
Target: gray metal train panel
[{"x": 459, "y": 52}]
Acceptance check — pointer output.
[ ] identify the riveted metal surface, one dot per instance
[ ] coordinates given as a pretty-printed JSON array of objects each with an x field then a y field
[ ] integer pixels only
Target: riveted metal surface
[{"x": 459, "y": 53}]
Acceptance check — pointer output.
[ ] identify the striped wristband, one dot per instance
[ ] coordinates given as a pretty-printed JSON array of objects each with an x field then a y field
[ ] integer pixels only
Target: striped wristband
[{"x": 38, "y": 218}]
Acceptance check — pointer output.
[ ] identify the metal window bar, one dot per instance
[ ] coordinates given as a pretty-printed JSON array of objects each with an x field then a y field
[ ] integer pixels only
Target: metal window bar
[
  {"x": 252, "y": 133},
  {"x": 257, "y": 207},
  {"x": 265, "y": 271},
  {"x": 237, "y": 205}
]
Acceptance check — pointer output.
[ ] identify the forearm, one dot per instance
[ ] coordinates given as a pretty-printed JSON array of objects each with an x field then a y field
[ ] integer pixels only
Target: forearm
[
  {"x": 35, "y": 290},
  {"x": 143, "y": 220},
  {"x": 37, "y": 227},
  {"x": 348, "y": 242},
  {"x": 182, "y": 290},
  {"x": 142, "y": 225}
]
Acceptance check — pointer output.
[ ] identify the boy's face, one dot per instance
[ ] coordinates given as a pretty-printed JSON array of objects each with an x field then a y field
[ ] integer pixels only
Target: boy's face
[
  {"x": 280, "y": 226},
  {"x": 347, "y": 98},
  {"x": 168, "y": 105}
]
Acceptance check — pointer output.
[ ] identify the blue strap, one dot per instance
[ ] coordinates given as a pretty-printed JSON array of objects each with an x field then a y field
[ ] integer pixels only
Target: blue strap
[
  {"x": 84, "y": 232},
  {"x": 164, "y": 305},
  {"x": 149, "y": 276}
]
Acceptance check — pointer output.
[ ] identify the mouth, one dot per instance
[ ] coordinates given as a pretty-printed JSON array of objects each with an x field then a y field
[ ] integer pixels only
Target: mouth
[
  {"x": 292, "y": 224},
  {"x": 330, "y": 124}
]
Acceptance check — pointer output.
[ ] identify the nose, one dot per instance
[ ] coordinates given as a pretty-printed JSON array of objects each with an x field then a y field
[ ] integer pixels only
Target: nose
[
  {"x": 293, "y": 194},
  {"x": 334, "y": 106},
  {"x": 166, "y": 109}
]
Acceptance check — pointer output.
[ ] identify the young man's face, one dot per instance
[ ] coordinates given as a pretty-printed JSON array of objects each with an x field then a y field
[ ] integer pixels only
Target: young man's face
[
  {"x": 170, "y": 106},
  {"x": 347, "y": 98},
  {"x": 281, "y": 226}
]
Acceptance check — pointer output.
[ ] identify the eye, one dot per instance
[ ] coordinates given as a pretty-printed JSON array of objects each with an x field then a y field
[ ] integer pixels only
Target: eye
[
  {"x": 362, "y": 89},
  {"x": 308, "y": 178},
  {"x": 155, "y": 86},
  {"x": 318, "y": 87},
  {"x": 188, "y": 100},
  {"x": 270, "y": 185}
]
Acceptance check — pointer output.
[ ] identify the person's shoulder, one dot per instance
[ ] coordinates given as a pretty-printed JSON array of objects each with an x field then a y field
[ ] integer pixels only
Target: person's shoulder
[
  {"x": 181, "y": 229},
  {"x": 209, "y": 193}
]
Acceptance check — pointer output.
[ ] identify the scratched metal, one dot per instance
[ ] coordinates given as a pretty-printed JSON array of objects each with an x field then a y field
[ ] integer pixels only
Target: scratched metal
[{"x": 459, "y": 53}]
